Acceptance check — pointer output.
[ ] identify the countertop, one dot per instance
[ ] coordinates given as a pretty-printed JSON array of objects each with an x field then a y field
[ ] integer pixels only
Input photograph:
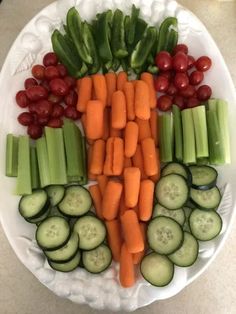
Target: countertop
[{"x": 215, "y": 291}]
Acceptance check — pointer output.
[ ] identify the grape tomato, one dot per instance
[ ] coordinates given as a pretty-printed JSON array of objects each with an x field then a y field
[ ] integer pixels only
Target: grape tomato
[
  {"x": 164, "y": 103},
  {"x": 181, "y": 80},
  {"x": 71, "y": 98},
  {"x": 161, "y": 83},
  {"x": 59, "y": 87},
  {"x": 57, "y": 111},
  {"x": 44, "y": 108},
  {"x": 35, "y": 131},
  {"x": 50, "y": 59},
  {"x": 36, "y": 93},
  {"x": 29, "y": 82},
  {"x": 55, "y": 123},
  {"x": 62, "y": 70},
  {"x": 180, "y": 47},
  {"x": 180, "y": 62},
  {"x": 22, "y": 99},
  {"x": 163, "y": 61},
  {"x": 38, "y": 71},
  {"x": 203, "y": 63},
  {"x": 51, "y": 72},
  {"x": 25, "y": 118},
  {"x": 196, "y": 77},
  {"x": 204, "y": 92}
]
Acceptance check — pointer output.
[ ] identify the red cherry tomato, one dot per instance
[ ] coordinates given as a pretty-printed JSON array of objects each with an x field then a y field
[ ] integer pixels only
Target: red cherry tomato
[
  {"x": 38, "y": 71},
  {"x": 181, "y": 80},
  {"x": 45, "y": 84},
  {"x": 55, "y": 123},
  {"x": 168, "y": 74},
  {"x": 172, "y": 90},
  {"x": 57, "y": 111},
  {"x": 203, "y": 63},
  {"x": 51, "y": 72},
  {"x": 70, "y": 81},
  {"x": 35, "y": 131},
  {"x": 59, "y": 87},
  {"x": 179, "y": 101},
  {"x": 164, "y": 103},
  {"x": 180, "y": 47},
  {"x": 161, "y": 83},
  {"x": 191, "y": 62},
  {"x": 71, "y": 98},
  {"x": 163, "y": 61},
  {"x": 196, "y": 77},
  {"x": 22, "y": 99},
  {"x": 188, "y": 92},
  {"x": 54, "y": 98},
  {"x": 62, "y": 70},
  {"x": 36, "y": 93},
  {"x": 180, "y": 62},
  {"x": 25, "y": 118},
  {"x": 204, "y": 92},
  {"x": 29, "y": 82},
  {"x": 71, "y": 113},
  {"x": 192, "y": 102},
  {"x": 32, "y": 107},
  {"x": 44, "y": 108},
  {"x": 43, "y": 121},
  {"x": 50, "y": 59}
]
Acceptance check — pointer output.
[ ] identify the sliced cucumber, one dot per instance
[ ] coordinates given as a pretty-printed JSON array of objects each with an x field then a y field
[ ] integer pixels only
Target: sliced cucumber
[
  {"x": 187, "y": 212},
  {"x": 34, "y": 205},
  {"x": 91, "y": 231},
  {"x": 203, "y": 177},
  {"x": 55, "y": 193},
  {"x": 206, "y": 199},
  {"x": 205, "y": 225},
  {"x": 177, "y": 214},
  {"x": 40, "y": 218},
  {"x": 164, "y": 235},
  {"x": 76, "y": 202},
  {"x": 172, "y": 191},
  {"x": 157, "y": 269},
  {"x": 177, "y": 168},
  {"x": 68, "y": 266},
  {"x": 53, "y": 233},
  {"x": 97, "y": 260},
  {"x": 54, "y": 211},
  {"x": 67, "y": 252},
  {"x": 187, "y": 254}
]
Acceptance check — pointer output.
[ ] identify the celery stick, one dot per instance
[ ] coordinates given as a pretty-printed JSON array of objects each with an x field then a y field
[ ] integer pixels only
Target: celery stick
[
  {"x": 43, "y": 162},
  {"x": 56, "y": 155},
  {"x": 34, "y": 168},
  {"x": 178, "y": 133},
  {"x": 23, "y": 182},
  {"x": 202, "y": 161},
  {"x": 166, "y": 137},
  {"x": 85, "y": 176},
  {"x": 11, "y": 155},
  {"x": 200, "y": 130},
  {"x": 189, "y": 152}
]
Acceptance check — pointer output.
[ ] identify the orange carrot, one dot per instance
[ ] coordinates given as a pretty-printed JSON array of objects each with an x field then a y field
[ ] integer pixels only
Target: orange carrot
[
  {"x": 132, "y": 232},
  {"x": 145, "y": 201},
  {"x": 111, "y": 85},
  {"x": 153, "y": 126},
  {"x": 78, "y": 82},
  {"x": 122, "y": 207},
  {"x": 141, "y": 100},
  {"x": 129, "y": 96},
  {"x": 111, "y": 200},
  {"x": 100, "y": 88},
  {"x": 156, "y": 177},
  {"x": 126, "y": 273},
  {"x": 84, "y": 93},
  {"x": 118, "y": 110},
  {"x": 102, "y": 182},
  {"x": 98, "y": 156},
  {"x": 90, "y": 152},
  {"x": 92, "y": 177},
  {"x": 135, "y": 209},
  {"x": 137, "y": 257},
  {"x": 114, "y": 238},
  {"x": 97, "y": 199},
  {"x": 118, "y": 156},
  {"x": 131, "y": 138},
  {"x": 131, "y": 186},
  {"x": 122, "y": 78},
  {"x": 94, "y": 119},
  {"x": 83, "y": 121},
  {"x": 115, "y": 132},
  {"x": 149, "y": 156},
  {"x": 144, "y": 130},
  {"x": 106, "y": 123},
  {"x": 89, "y": 141},
  {"x": 108, "y": 164},
  {"x": 137, "y": 161},
  {"x": 134, "y": 82},
  {"x": 149, "y": 79},
  {"x": 127, "y": 162}
]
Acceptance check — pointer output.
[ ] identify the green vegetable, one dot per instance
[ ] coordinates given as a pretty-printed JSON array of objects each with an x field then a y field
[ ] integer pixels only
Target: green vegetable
[
  {"x": 103, "y": 36},
  {"x": 23, "y": 182},
  {"x": 178, "y": 133},
  {"x": 166, "y": 137},
  {"x": 189, "y": 152},
  {"x": 172, "y": 40},
  {"x": 115, "y": 64},
  {"x": 118, "y": 44},
  {"x": 11, "y": 155},
  {"x": 132, "y": 25},
  {"x": 34, "y": 168},
  {"x": 140, "y": 29},
  {"x": 43, "y": 162},
  {"x": 164, "y": 32},
  {"x": 84, "y": 155},
  {"x": 90, "y": 42},
  {"x": 153, "y": 69}
]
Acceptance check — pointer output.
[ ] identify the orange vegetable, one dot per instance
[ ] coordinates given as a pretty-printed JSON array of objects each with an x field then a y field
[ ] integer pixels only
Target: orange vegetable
[
  {"x": 84, "y": 93},
  {"x": 111, "y": 200},
  {"x": 128, "y": 90},
  {"x": 97, "y": 199},
  {"x": 100, "y": 88},
  {"x": 114, "y": 238},
  {"x": 94, "y": 119},
  {"x": 98, "y": 156},
  {"x": 145, "y": 202},
  {"x": 122, "y": 207},
  {"x": 106, "y": 123},
  {"x": 153, "y": 126},
  {"x": 83, "y": 121},
  {"x": 118, "y": 110},
  {"x": 127, "y": 162},
  {"x": 134, "y": 82},
  {"x": 108, "y": 165},
  {"x": 149, "y": 79},
  {"x": 131, "y": 186},
  {"x": 90, "y": 142},
  {"x": 156, "y": 177},
  {"x": 118, "y": 156},
  {"x": 131, "y": 138},
  {"x": 78, "y": 82},
  {"x": 111, "y": 85},
  {"x": 141, "y": 100},
  {"x": 137, "y": 161},
  {"x": 102, "y": 182},
  {"x": 115, "y": 132},
  {"x": 122, "y": 78},
  {"x": 144, "y": 130},
  {"x": 149, "y": 156},
  {"x": 126, "y": 273},
  {"x": 137, "y": 257}
]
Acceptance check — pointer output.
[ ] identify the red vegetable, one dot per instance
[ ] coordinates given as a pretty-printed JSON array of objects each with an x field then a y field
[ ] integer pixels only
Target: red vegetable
[
  {"x": 43, "y": 121},
  {"x": 180, "y": 62},
  {"x": 44, "y": 108},
  {"x": 25, "y": 118},
  {"x": 204, "y": 92},
  {"x": 179, "y": 101},
  {"x": 51, "y": 72},
  {"x": 192, "y": 102},
  {"x": 62, "y": 70},
  {"x": 35, "y": 131},
  {"x": 29, "y": 82},
  {"x": 55, "y": 123},
  {"x": 181, "y": 80},
  {"x": 50, "y": 59},
  {"x": 172, "y": 90},
  {"x": 22, "y": 99},
  {"x": 38, "y": 71},
  {"x": 196, "y": 77},
  {"x": 57, "y": 111},
  {"x": 71, "y": 98},
  {"x": 163, "y": 60},
  {"x": 59, "y": 87},
  {"x": 164, "y": 103},
  {"x": 203, "y": 63},
  {"x": 71, "y": 112},
  {"x": 54, "y": 98},
  {"x": 188, "y": 92},
  {"x": 161, "y": 83},
  {"x": 36, "y": 93},
  {"x": 180, "y": 47},
  {"x": 70, "y": 81},
  {"x": 191, "y": 61}
]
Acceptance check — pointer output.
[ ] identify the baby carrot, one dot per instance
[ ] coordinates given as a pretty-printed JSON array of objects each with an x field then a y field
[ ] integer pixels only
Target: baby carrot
[
  {"x": 141, "y": 100},
  {"x": 145, "y": 201},
  {"x": 122, "y": 78},
  {"x": 118, "y": 156},
  {"x": 126, "y": 273},
  {"x": 94, "y": 119},
  {"x": 131, "y": 138},
  {"x": 108, "y": 164},
  {"x": 78, "y": 82},
  {"x": 156, "y": 177},
  {"x": 102, "y": 182},
  {"x": 137, "y": 257},
  {"x": 137, "y": 161},
  {"x": 90, "y": 152},
  {"x": 149, "y": 79},
  {"x": 131, "y": 186},
  {"x": 134, "y": 82},
  {"x": 114, "y": 238},
  {"x": 144, "y": 130},
  {"x": 122, "y": 207},
  {"x": 132, "y": 232},
  {"x": 84, "y": 93},
  {"x": 98, "y": 156},
  {"x": 111, "y": 85},
  {"x": 100, "y": 88},
  {"x": 111, "y": 200},
  {"x": 115, "y": 132},
  {"x": 106, "y": 118},
  {"x": 118, "y": 110},
  {"x": 97, "y": 199},
  {"x": 128, "y": 90},
  {"x": 149, "y": 156},
  {"x": 153, "y": 126}
]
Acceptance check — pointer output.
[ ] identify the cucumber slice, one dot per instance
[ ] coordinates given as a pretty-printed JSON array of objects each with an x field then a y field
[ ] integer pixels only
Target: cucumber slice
[
  {"x": 67, "y": 252},
  {"x": 187, "y": 254},
  {"x": 68, "y": 266},
  {"x": 76, "y": 202},
  {"x": 203, "y": 177},
  {"x": 206, "y": 199},
  {"x": 40, "y": 218},
  {"x": 53, "y": 233},
  {"x": 55, "y": 193},
  {"x": 187, "y": 212},
  {"x": 34, "y": 205},
  {"x": 164, "y": 235},
  {"x": 97, "y": 260},
  {"x": 172, "y": 191},
  {"x": 177, "y": 168},
  {"x": 205, "y": 225},
  {"x": 157, "y": 269},
  {"x": 177, "y": 214},
  {"x": 55, "y": 212},
  {"x": 91, "y": 231}
]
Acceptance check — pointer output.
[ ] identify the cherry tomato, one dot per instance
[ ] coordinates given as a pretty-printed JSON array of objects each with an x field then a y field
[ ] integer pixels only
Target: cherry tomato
[
  {"x": 43, "y": 121},
  {"x": 51, "y": 72},
  {"x": 204, "y": 92},
  {"x": 196, "y": 77},
  {"x": 71, "y": 113},
  {"x": 203, "y": 63},
  {"x": 35, "y": 131},
  {"x": 44, "y": 108},
  {"x": 161, "y": 83},
  {"x": 191, "y": 62},
  {"x": 22, "y": 99},
  {"x": 180, "y": 62},
  {"x": 168, "y": 74},
  {"x": 188, "y": 92},
  {"x": 179, "y": 101},
  {"x": 38, "y": 71},
  {"x": 181, "y": 80},
  {"x": 70, "y": 81},
  {"x": 59, "y": 87},
  {"x": 180, "y": 47},
  {"x": 45, "y": 84},
  {"x": 25, "y": 118},
  {"x": 32, "y": 107},
  {"x": 57, "y": 111},
  {"x": 54, "y": 98},
  {"x": 50, "y": 59},
  {"x": 163, "y": 61},
  {"x": 35, "y": 93},
  {"x": 71, "y": 98},
  {"x": 164, "y": 103},
  {"x": 172, "y": 90},
  {"x": 62, "y": 70},
  {"x": 29, "y": 82},
  {"x": 192, "y": 102},
  {"x": 55, "y": 123}
]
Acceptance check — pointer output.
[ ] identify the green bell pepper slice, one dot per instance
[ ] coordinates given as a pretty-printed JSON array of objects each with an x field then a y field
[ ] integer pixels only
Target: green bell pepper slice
[
  {"x": 118, "y": 44},
  {"x": 164, "y": 32}
]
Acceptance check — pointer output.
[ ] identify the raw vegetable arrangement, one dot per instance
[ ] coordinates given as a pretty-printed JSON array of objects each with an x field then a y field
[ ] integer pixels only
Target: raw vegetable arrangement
[{"x": 118, "y": 105}]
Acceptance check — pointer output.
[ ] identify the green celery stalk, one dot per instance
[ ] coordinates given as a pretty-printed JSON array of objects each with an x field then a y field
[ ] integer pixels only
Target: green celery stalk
[
  {"x": 202, "y": 161},
  {"x": 189, "y": 151},
  {"x": 11, "y": 155},
  {"x": 200, "y": 130},
  {"x": 178, "y": 133},
  {"x": 84, "y": 180},
  {"x": 34, "y": 168},
  {"x": 43, "y": 162},
  {"x": 56, "y": 155},
  {"x": 23, "y": 182},
  {"x": 166, "y": 137}
]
